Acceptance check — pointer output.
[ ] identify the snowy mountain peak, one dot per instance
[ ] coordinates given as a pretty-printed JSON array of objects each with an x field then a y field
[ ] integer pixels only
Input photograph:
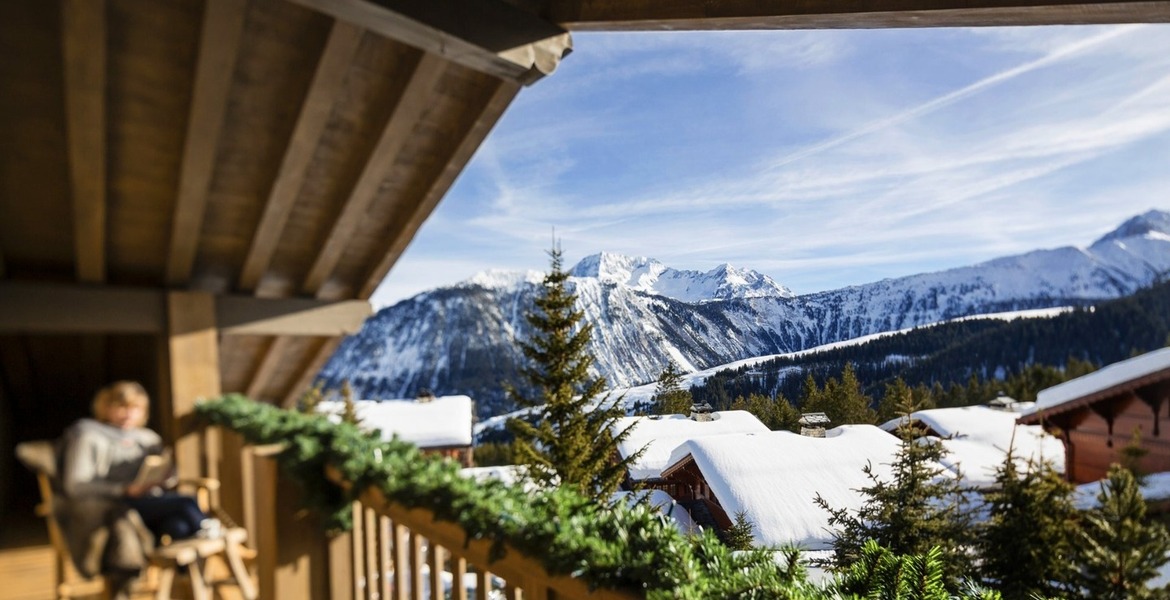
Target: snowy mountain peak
[
  {"x": 503, "y": 279},
  {"x": 649, "y": 276},
  {"x": 1156, "y": 222},
  {"x": 634, "y": 271}
]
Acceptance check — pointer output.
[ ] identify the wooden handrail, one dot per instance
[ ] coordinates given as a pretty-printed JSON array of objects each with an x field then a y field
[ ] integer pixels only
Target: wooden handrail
[{"x": 514, "y": 567}]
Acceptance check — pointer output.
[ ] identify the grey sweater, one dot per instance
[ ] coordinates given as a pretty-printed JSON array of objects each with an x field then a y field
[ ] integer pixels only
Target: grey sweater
[{"x": 98, "y": 459}]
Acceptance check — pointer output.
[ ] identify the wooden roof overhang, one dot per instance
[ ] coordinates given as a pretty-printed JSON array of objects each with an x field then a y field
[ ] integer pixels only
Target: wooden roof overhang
[
  {"x": 276, "y": 155},
  {"x": 290, "y": 149},
  {"x": 1151, "y": 388}
]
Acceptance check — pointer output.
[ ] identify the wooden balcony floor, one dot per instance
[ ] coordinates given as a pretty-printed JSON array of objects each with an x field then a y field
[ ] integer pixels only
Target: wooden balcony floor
[{"x": 27, "y": 570}]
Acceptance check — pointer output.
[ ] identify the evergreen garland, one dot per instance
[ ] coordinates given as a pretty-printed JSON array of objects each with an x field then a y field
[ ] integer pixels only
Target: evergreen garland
[{"x": 624, "y": 547}]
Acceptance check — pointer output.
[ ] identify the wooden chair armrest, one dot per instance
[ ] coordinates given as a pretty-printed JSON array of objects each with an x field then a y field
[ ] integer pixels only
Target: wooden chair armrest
[{"x": 206, "y": 483}]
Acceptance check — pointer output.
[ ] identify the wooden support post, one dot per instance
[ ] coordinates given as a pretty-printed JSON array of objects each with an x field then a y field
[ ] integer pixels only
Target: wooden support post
[
  {"x": 193, "y": 355},
  {"x": 342, "y": 585}
]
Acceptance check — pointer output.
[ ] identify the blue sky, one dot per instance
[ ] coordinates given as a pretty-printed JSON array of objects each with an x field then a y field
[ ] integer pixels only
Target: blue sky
[{"x": 820, "y": 158}]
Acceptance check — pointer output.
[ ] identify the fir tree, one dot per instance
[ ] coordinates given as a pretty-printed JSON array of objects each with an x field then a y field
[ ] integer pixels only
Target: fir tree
[
  {"x": 1026, "y": 542},
  {"x": 312, "y": 398},
  {"x": 1132, "y": 456},
  {"x": 897, "y": 394},
  {"x": 739, "y": 536},
  {"x": 670, "y": 398},
  {"x": 1118, "y": 551},
  {"x": 920, "y": 508},
  {"x": 349, "y": 406},
  {"x": 568, "y": 441}
]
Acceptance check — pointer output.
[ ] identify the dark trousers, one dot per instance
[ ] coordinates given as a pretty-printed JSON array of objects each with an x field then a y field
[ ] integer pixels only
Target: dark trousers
[{"x": 170, "y": 514}]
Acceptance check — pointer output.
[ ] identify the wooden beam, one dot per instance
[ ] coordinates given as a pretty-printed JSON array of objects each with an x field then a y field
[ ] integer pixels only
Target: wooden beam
[
  {"x": 489, "y": 36},
  {"x": 632, "y": 15},
  {"x": 244, "y": 315},
  {"x": 63, "y": 308},
  {"x": 416, "y": 99},
  {"x": 37, "y": 308},
  {"x": 84, "y": 50},
  {"x": 223, "y": 27},
  {"x": 315, "y": 113},
  {"x": 193, "y": 358},
  {"x": 310, "y": 370},
  {"x": 491, "y": 113},
  {"x": 272, "y": 358}
]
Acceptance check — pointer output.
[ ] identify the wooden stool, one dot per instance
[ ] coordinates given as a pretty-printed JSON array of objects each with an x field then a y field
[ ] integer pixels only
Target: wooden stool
[{"x": 193, "y": 554}]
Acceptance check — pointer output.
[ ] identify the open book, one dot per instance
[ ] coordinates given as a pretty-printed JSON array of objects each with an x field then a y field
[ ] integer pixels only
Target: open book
[{"x": 155, "y": 469}]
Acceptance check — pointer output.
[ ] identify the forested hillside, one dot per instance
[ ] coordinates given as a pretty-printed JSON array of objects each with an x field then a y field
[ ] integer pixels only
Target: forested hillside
[{"x": 950, "y": 355}]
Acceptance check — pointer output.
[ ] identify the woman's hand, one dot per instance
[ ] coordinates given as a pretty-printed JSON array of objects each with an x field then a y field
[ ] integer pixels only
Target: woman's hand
[{"x": 135, "y": 490}]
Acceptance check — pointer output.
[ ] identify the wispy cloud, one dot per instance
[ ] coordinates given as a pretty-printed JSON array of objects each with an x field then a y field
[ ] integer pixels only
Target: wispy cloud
[{"x": 820, "y": 157}]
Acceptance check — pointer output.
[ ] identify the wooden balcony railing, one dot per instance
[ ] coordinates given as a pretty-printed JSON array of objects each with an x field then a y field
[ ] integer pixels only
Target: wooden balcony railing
[
  {"x": 392, "y": 552},
  {"x": 406, "y": 554}
]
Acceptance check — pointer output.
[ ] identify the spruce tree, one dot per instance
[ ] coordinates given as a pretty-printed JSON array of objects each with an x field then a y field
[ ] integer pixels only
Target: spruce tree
[
  {"x": 567, "y": 440},
  {"x": 739, "y": 536},
  {"x": 1026, "y": 543},
  {"x": 922, "y": 507},
  {"x": 670, "y": 398},
  {"x": 897, "y": 394},
  {"x": 1118, "y": 550}
]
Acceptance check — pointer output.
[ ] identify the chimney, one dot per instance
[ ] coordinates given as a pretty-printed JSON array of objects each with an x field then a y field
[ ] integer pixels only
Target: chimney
[
  {"x": 701, "y": 412},
  {"x": 425, "y": 395},
  {"x": 814, "y": 424}
]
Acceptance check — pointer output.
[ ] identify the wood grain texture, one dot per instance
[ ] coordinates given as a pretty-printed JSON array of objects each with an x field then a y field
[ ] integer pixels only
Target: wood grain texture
[
  {"x": 84, "y": 49},
  {"x": 314, "y": 116},
  {"x": 193, "y": 349},
  {"x": 223, "y": 27},
  {"x": 415, "y": 99}
]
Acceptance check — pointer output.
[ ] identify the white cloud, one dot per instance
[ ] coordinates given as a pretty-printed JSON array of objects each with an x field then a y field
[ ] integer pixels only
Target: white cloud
[{"x": 817, "y": 164}]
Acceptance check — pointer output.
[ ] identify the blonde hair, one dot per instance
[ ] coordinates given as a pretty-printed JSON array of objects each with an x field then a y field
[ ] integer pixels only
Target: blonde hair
[{"x": 121, "y": 393}]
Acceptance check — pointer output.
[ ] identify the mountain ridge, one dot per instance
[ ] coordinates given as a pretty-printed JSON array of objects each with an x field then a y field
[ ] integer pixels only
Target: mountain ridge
[{"x": 462, "y": 338}]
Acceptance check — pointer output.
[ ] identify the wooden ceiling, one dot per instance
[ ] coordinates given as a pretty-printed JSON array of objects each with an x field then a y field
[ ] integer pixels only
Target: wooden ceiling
[{"x": 290, "y": 149}]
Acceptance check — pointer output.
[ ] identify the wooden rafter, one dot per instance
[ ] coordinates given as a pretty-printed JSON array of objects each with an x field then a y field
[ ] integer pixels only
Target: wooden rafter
[
  {"x": 223, "y": 27},
  {"x": 416, "y": 99},
  {"x": 632, "y": 15},
  {"x": 491, "y": 113},
  {"x": 310, "y": 370},
  {"x": 489, "y": 36},
  {"x": 273, "y": 355},
  {"x": 84, "y": 51},
  {"x": 315, "y": 112},
  {"x": 37, "y": 308}
]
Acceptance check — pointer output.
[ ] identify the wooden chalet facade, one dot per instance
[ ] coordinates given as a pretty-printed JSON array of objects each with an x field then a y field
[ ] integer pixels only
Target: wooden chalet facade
[
  {"x": 202, "y": 195},
  {"x": 1096, "y": 415}
]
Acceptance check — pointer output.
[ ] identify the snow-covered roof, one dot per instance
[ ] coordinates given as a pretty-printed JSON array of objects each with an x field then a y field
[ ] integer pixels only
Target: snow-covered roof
[
  {"x": 774, "y": 476},
  {"x": 439, "y": 423},
  {"x": 1156, "y": 488},
  {"x": 676, "y": 514},
  {"x": 979, "y": 436},
  {"x": 1111, "y": 376},
  {"x": 660, "y": 435}
]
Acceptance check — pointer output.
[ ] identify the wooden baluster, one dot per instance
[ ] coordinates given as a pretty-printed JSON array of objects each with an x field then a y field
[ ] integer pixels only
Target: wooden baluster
[
  {"x": 416, "y": 564},
  {"x": 458, "y": 578},
  {"x": 435, "y": 559},
  {"x": 385, "y": 558},
  {"x": 401, "y": 564},
  {"x": 374, "y": 574},
  {"x": 483, "y": 584},
  {"x": 357, "y": 545},
  {"x": 511, "y": 592}
]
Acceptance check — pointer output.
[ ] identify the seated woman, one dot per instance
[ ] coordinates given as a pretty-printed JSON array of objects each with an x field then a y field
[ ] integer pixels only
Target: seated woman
[{"x": 99, "y": 461}]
